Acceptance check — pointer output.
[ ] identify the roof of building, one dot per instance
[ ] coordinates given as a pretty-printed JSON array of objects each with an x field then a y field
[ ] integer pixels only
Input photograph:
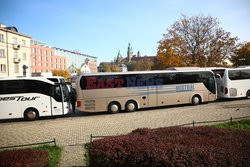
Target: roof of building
[
  {"x": 73, "y": 52},
  {"x": 13, "y": 30}
]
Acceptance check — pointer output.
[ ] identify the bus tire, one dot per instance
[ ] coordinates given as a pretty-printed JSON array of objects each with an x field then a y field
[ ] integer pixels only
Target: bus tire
[
  {"x": 31, "y": 114},
  {"x": 114, "y": 107},
  {"x": 248, "y": 94},
  {"x": 131, "y": 106},
  {"x": 196, "y": 99}
]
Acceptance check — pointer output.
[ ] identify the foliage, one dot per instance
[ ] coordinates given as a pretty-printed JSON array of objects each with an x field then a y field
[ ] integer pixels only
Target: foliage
[
  {"x": 106, "y": 68},
  {"x": 24, "y": 157},
  {"x": 196, "y": 41},
  {"x": 241, "y": 125},
  {"x": 115, "y": 68},
  {"x": 111, "y": 68},
  {"x": 54, "y": 154},
  {"x": 63, "y": 73},
  {"x": 242, "y": 55},
  {"x": 175, "y": 146},
  {"x": 143, "y": 65},
  {"x": 86, "y": 154}
]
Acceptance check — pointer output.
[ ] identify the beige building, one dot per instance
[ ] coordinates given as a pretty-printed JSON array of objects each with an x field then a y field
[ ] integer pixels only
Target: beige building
[{"x": 14, "y": 52}]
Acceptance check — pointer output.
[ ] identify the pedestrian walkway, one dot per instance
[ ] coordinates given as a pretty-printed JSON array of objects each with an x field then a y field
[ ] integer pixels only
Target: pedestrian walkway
[{"x": 72, "y": 156}]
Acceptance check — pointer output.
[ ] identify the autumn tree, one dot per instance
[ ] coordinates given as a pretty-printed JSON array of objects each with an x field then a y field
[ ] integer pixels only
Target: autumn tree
[
  {"x": 196, "y": 41},
  {"x": 115, "y": 68},
  {"x": 62, "y": 73},
  {"x": 242, "y": 55},
  {"x": 106, "y": 68},
  {"x": 143, "y": 65}
]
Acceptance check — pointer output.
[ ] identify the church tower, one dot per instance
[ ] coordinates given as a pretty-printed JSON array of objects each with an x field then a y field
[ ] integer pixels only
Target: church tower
[
  {"x": 119, "y": 57},
  {"x": 129, "y": 52}
]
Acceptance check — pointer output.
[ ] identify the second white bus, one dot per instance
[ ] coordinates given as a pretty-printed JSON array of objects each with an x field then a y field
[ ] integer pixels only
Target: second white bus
[
  {"x": 130, "y": 91},
  {"x": 233, "y": 82}
]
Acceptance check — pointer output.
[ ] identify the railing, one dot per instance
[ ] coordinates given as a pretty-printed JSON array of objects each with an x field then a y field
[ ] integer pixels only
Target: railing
[
  {"x": 193, "y": 123},
  {"x": 24, "y": 145}
]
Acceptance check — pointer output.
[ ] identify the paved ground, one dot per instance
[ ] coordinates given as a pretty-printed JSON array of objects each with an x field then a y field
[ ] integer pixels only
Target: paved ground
[{"x": 75, "y": 130}]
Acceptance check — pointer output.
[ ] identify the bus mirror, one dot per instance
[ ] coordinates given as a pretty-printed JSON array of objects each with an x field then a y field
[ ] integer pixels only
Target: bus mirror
[{"x": 217, "y": 76}]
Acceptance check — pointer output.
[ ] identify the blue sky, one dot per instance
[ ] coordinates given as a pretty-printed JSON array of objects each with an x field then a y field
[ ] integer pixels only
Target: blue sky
[{"x": 103, "y": 27}]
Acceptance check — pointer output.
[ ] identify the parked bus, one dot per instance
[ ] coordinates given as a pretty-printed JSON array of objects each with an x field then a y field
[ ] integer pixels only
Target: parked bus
[
  {"x": 233, "y": 82},
  {"x": 31, "y": 98},
  {"x": 130, "y": 91}
]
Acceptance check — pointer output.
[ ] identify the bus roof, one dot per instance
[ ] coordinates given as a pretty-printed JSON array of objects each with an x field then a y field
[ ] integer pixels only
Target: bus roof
[
  {"x": 144, "y": 72},
  {"x": 44, "y": 79}
]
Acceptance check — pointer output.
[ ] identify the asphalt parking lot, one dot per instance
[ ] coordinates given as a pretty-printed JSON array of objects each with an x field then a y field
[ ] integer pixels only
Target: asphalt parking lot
[{"x": 75, "y": 129}]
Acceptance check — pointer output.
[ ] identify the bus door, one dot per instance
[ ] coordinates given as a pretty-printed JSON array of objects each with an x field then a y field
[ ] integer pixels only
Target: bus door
[
  {"x": 57, "y": 101},
  {"x": 152, "y": 96},
  {"x": 151, "y": 90}
]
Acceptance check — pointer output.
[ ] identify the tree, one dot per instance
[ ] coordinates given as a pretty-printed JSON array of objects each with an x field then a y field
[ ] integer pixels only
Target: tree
[
  {"x": 63, "y": 73},
  {"x": 115, "y": 68},
  {"x": 242, "y": 55},
  {"x": 196, "y": 41},
  {"x": 106, "y": 68},
  {"x": 143, "y": 65}
]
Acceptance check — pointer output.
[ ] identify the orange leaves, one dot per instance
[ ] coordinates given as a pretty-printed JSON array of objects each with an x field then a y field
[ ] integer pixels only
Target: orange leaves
[{"x": 63, "y": 73}]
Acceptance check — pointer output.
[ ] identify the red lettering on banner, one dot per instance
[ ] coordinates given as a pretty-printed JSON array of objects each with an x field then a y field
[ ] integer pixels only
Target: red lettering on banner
[
  {"x": 100, "y": 84},
  {"x": 110, "y": 83},
  {"x": 119, "y": 82},
  {"x": 91, "y": 83}
]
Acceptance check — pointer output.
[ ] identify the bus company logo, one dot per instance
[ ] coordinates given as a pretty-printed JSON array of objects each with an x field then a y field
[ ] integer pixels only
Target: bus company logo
[
  {"x": 18, "y": 98},
  {"x": 129, "y": 82}
]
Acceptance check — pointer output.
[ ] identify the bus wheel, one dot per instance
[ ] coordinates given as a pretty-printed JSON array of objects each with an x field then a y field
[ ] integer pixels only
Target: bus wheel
[
  {"x": 248, "y": 94},
  {"x": 31, "y": 114},
  {"x": 114, "y": 107},
  {"x": 131, "y": 106},
  {"x": 196, "y": 100}
]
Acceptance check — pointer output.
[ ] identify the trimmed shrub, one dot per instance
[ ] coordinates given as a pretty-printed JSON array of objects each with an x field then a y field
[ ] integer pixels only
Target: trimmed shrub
[
  {"x": 175, "y": 146},
  {"x": 24, "y": 158}
]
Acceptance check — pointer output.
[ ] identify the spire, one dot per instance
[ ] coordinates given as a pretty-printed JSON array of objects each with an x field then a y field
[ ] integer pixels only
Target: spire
[
  {"x": 119, "y": 54},
  {"x": 129, "y": 52},
  {"x": 138, "y": 54}
]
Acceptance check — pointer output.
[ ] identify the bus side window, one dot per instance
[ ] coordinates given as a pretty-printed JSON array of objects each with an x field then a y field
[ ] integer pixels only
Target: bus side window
[{"x": 56, "y": 93}]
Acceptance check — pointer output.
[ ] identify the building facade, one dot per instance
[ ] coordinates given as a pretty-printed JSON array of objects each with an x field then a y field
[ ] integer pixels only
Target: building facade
[
  {"x": 14, "y": 52},
  {"x": 76, "y": 60},
  {"x": 44, "y": 60}
]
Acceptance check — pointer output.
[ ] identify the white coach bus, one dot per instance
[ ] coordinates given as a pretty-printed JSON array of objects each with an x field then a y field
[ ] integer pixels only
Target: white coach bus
[
  {"x": 233, "y": 82},
  {"x": 31, "y": 98},
  {"x": 130, "y": 91}
]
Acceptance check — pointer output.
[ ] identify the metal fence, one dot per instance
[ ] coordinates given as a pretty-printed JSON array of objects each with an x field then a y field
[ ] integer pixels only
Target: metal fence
[
  {"x": 193, "y": 123},
  {"x": 31, "y": 144}
]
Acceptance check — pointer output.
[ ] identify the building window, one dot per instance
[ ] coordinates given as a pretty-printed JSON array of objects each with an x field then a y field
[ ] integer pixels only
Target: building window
[
  {"x": 1, "y": 38},
  {"x": 24, "y": 56},
  {"x": 15, "y": 54},
  {"x": 40, "y": 58},
  {"x": 14, "y": 40},
  {"x": 41, "y": 64},
  {"x": 34, "y": 50},
  {"x": 16, "y": 68},
  {"x": 23, "y": 42},
  {"x": 2, "y": 53},
  {"x": 3, "y": 68},
  {"x": 46, "y": 58},
  {"x": 46, "y": 52},
  {"x": 39, "y": 51}
]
